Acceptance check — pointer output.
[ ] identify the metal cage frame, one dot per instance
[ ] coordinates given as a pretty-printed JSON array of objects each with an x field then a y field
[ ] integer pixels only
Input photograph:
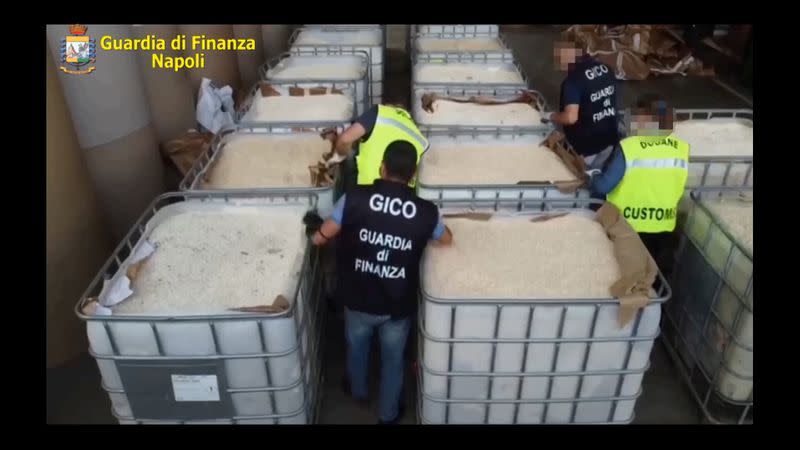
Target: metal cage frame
[
  {"x": 716, "y": 408},
  {"x": 548, "y": 190},
  {"x": 663, "y": 294},
  {"x": 333, "y": 49},
  {"x": 311, "y": 322}
]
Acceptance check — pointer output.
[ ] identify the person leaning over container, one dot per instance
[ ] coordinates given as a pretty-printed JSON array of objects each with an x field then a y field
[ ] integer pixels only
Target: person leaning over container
[
  {"x": 646, "y": 175},
  {"x": 588, "y": 110},
  {"x": 383, "y": 229},
  {"x": 373, "y": 131}
]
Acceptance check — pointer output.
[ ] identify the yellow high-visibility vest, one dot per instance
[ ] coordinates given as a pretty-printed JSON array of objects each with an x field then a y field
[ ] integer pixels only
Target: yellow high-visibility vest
[
  {"x": 391, "y": 125},
  {"x": 656, "y": 169}
]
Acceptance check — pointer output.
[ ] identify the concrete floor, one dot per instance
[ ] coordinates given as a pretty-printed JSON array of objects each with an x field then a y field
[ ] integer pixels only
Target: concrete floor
[{"x": 73, "y": 390}]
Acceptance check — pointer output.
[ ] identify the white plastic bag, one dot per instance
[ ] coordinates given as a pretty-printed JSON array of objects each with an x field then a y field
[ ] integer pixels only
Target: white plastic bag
[{"x": 215, "y": 107}]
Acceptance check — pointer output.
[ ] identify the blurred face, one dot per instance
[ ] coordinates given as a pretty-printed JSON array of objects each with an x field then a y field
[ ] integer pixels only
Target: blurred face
[
  {"x": 644, "y": 122},
  {"x": 565, "y": 54}
]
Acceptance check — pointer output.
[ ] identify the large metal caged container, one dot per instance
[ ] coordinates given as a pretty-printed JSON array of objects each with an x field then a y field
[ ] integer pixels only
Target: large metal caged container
[
  {"x": 348, "y": 88},
  {"x": 193, "y": 181},
  {"x": 271, "y": 72},
  {"x": 449, "y": 31},
  {"x": 240, "y": 368},
  {"x": 500, "y": 93},
  {"x": 418, "y": 83},
  {"x": 512, "y": 194},
  {"x": 532, "y": 361},
  {"x": 718, "y": 171},
  {"x": 708, "y": 327},
  {"x": 422, "y": 51},
  {"x": 347, "y": 39}
]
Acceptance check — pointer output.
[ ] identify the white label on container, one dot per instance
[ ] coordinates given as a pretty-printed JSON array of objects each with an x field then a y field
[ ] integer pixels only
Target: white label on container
[{"x": 195, "y": 388}]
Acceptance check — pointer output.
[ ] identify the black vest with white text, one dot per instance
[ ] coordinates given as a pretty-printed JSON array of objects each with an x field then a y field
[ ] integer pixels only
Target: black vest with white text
[{"x": 385, "y": 228}]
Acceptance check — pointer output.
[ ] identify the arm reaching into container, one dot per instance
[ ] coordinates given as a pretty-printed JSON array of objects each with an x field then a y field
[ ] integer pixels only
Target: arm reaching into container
[
  {"x": 571, "y": 99},
  {"x": 331, "y": 226},
  {"x": 441, "y": 234},
  {"x": 360, "y": 130},
  {"x": 567, "y": 117}
]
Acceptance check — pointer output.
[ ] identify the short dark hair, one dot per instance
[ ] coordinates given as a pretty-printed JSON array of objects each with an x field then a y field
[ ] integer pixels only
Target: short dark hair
[
  {"x": 654, "y": 105},
  {"x": 649, "y": 102},
  {"x": 400, "y": 160}
]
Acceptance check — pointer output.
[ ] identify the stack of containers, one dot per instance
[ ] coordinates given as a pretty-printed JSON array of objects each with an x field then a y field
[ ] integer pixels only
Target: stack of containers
[
  {"x": 708, "y": 328},
  {"x": 210, "y": 362},
  {"x": 347, "y": 40},
  {"x": 709, "y": 325},
  {"x": 309, "y": 69},
  {"x": 467, "y": 60},
  {"x": 461, "y": 60},
  {"x": 474, "y": 60},
  {"x": 721, "y": 146},
  {"x": 489, "y": 359},
  {"x": 220, "y": 365}
]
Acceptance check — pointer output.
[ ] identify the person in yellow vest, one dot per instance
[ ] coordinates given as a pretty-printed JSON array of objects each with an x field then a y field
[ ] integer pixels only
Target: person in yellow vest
[
  {"x": 646, "y": 175},
  {"x": 374, "y": 131}
]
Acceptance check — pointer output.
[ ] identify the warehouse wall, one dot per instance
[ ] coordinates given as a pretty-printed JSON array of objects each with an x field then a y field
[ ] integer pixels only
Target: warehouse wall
[
  {"x": 250, "y": 61},
  {"x": 77, "y": 239},
  {"x": 169, "y": 93},
  {"x": 276, "y": 39},
  {"x": 113, "y": 124},
  {"x": 220, "y": 66}
]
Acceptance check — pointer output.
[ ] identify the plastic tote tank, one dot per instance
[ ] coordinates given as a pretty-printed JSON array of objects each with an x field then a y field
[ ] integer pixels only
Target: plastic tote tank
[
  {"x": 448, "y": 74},
  {"x": 253, "y": 112},
  {"x": 450, "y": 32},
  {"x": 346, "y": 40},
  {"x": 532, "y": 361},
  {"x": 193, "y": 181},
  {"x": 511, "y": 193},
  {"x": 461, "y": 49},
  {"x": 311, "y": 70},
  {"x": 427, "y": 123},
  {"x": 454, "y": 31},
  {"x": 709, "y": 168},
  {"x": 243, "y": 368},
  {"x": 708, "y": 326}
]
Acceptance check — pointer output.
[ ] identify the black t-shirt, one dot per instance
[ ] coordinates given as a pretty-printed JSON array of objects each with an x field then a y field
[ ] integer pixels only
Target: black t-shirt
[
  {"x": 592, "y": 86},
  {"x": 385, "y": 229},
  {"x": 367, "y": 120}
]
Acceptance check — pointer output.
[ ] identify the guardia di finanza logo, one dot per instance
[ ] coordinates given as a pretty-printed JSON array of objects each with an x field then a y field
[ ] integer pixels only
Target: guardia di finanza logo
[{"x": 78, "y": 51}]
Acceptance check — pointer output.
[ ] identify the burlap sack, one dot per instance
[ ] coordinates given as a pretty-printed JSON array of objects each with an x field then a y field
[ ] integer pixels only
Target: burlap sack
[
  {"x": 530, "y": 97},
  {"x": 185, "y": 150},
  {"x": 636, "y": 52},
  {"x": 627, "y": 65}
]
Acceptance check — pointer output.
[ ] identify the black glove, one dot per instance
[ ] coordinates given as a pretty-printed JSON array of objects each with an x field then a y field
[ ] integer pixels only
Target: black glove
[{"x": 313, "y": 222}]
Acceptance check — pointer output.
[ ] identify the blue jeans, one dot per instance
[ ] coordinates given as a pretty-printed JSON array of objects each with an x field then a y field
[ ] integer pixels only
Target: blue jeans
[{"x": 359, "y": 328}]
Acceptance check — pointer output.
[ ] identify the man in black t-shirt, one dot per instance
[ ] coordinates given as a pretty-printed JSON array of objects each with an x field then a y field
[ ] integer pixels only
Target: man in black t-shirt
[{"x": 588, "y": 104}]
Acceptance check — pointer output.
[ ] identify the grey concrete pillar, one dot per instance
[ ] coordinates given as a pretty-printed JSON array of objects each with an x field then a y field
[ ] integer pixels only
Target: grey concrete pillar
[
  {"x": 169, "y": 93},
  {"x": 276, "y": 39},
  {"x": 250, "y": 61},
  {"x": 112, "y": 122},
  {"x": 78, "y": 241},
  {"x": 220, "y": 66}
]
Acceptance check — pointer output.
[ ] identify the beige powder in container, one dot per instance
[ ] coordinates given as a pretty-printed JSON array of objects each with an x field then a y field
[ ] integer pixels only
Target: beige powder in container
[{"x": 568, "y": 257}]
